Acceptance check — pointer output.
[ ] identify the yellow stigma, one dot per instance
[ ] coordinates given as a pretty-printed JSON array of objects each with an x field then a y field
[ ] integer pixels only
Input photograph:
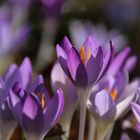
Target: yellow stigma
[
  {"x": 113, "y": 94},
  {"x": 83, "y": 56},
  {"x": 42, "y": 102},
  {"x": 89, "y": 53}
]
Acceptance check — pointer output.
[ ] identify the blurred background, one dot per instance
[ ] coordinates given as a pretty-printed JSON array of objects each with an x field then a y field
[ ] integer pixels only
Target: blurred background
[{"x": 33, "y": 28}]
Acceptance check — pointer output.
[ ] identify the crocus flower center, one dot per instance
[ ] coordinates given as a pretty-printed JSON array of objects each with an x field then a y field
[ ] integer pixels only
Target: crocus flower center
[
  {"x": 113, "y": 94},
  {"x": 42, "y": 102},
  {"x": 83, "y": 55}
]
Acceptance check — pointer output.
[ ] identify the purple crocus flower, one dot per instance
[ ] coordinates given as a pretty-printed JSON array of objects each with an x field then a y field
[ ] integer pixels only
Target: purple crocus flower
[
  {"x": 34, "y": 110},
  {"x": 84, "y": 67},
  {"x": 111, "y": 99},
  {"x": 12, "y": 35},
  {"x": 70, "y": 96},
  {"x": 13, "y": 74}
]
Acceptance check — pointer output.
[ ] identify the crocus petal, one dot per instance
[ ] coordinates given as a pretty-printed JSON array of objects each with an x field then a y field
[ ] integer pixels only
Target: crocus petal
[
  {"x": 90, "y": 44},
  {"x": 15, "y": 77},
  {"x": 60, "y": 52},
  {"x": 117, "y": 65},
  {"x": 9, "y": 72},
  {"x": 62, "y": 56},
  {"x": 102, "y": 102},
  {"x": 39, "y": 80},
  {"x": 18, "y": 89},
  {"x": 107, "y": 61},
  {"x": 136, "y": 110},
  {"x": 94, "y": 66},
  {"x": 81, "y": 79},
  {"x": 129, "y": 90},
  {"x": 33, "y": 118},
  {"x": 30, "y": 107},
  {"x": 57, "y": 78},
  {"x": 61, "y": 81},
  {"x": 124, "y": 106},
  {"x": 25, "y": 72},
  {"x": 122, "y": 79},
  {"x": 131, "y": 63},
  {"x": 54, "y": 110},
  {"x": 66, "y": 44},
  {"x": 15, "y": 106},
  {"x": 73, "y": 62}
]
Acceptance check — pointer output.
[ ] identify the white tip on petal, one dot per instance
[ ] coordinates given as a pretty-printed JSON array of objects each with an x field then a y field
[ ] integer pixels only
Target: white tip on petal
[{"x": 124, "y": 106}]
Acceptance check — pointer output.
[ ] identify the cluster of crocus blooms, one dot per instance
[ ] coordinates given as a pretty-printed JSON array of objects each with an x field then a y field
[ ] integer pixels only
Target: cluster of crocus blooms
[
  {"x": 90, "y": 77},
  {"x": 100, "y": 80},
  {"x": 27, "y": 103}
]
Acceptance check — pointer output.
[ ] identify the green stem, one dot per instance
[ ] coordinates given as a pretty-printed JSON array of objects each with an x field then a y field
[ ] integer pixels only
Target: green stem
[
  {"x": 102, "y": 129},
  {"x": 33, "y": 137},
  {"x": 82, "y": 119},
  {"x": 66, "y": 128},
  {"x": 92, "y": 129}
]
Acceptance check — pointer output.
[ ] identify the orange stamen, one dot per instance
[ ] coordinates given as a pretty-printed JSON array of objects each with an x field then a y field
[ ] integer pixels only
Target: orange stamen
[
  {"x": 113, "y": 94},
  {"x": 82, "y": 54},
  {"x": 42, "y": 102},
  {"x": 89, "y": 53}
]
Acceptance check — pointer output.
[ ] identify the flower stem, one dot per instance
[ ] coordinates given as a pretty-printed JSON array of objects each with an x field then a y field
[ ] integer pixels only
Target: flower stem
[
  {"x": 108, "y": 136},
  {"x": 102, "y": 129},
  {"x": 66, "y": 129},
  {"x": 91, "y": 134},
  {"x": 34, "y": 136},
  {"x": 82, "y": 119}
]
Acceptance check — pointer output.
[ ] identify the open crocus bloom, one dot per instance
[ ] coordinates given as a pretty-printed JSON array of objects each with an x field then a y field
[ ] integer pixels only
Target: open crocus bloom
[
  {"x": 34, "y": 110},
  {"x": 13, "y": 74},
  {"x": 110, "y": 100},
  {"x": 86, "y": 65},
  {"x": 112, "y": 97},
  {"x": 70, "y": 96}
]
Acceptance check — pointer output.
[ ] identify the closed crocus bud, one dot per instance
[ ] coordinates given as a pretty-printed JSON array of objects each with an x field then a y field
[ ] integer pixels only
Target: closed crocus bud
[
  {"x": 111, "y": 100},
  {"x": 36, "y": 112}
]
